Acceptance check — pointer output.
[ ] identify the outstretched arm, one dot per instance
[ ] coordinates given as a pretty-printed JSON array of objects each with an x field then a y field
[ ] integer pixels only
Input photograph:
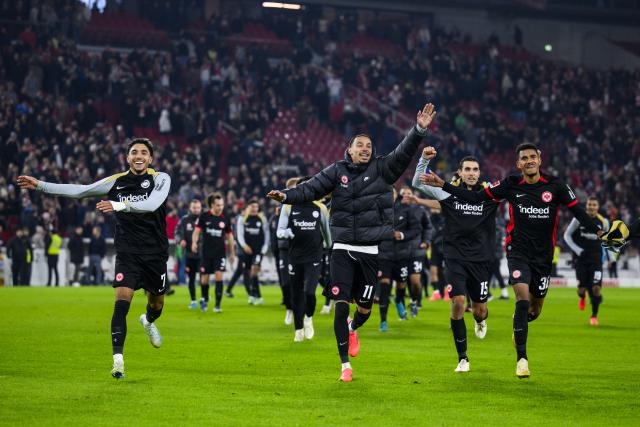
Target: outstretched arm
[
  {"x": 316, "y": 188},
  {"x": 75, "y": 191},
  {"x": 395, "y": 163},
  {"x": 162, "y": 185},
  {"x": 436, "y": 193},
  {"x": 568, "y": 238}
]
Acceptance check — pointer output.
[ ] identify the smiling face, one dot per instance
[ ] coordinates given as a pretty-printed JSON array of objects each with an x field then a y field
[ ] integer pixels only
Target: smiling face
[
  {"x": 360, "y": 150},
  {"x": 195, "y": 207},
  {"x": 469, "y": 172},
  {"x": 139, "y": 158},
  {"x": 217, "y": 206},
  {"x": 529, "y": 162},
  {"x": 592, "y": 207}
]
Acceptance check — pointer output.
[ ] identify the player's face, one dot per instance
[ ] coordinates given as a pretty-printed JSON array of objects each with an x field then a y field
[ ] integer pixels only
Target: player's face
[
  {"x": 254, "y": 208},
  {"x": 469, "y": 173},
  {"x": 195, "y": 208},
  {"x": 592, "y": 207},
  {"x": 404, "y": 193},
  {"x": 139, "y": 158},
  {"x": 529, "y": 162},
  {"x": 360, "y": 150},
  {"x": 217, "y": 207}
]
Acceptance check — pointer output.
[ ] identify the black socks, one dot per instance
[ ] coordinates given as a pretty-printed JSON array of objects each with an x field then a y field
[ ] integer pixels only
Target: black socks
[
  {"x": 119, "y": 325},
  {"x": 521, "y": 328},
  {"x": 341, "y": 329},
  {"x": 152, "y": 313},
  {"x": 359, "y": 319},
  {"x": 459, "y": 330},
  {"x": 385, "y": 293},
  {"x": 219, "y": 288}
]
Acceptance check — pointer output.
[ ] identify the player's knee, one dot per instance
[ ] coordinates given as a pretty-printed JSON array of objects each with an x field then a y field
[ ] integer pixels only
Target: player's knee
[
  {"x": 341, "y": 311},
  {"x": 533, "y": 315},
  {"x": 364, "y": 310},
  {"x": 480, "y": 313}
]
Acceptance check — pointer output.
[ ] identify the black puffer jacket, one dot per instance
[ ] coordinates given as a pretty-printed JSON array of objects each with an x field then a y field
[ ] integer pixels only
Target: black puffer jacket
[{"x": 362, "y": 201}]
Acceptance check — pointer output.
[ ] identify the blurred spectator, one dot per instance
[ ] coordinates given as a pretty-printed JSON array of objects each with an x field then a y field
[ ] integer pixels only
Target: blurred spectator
[
  {"x": 97, "y": 251},
  {"x": 52, "y": 243},
  {"x": 76, "y": 253},
  {"x": 20, "y": 252}
]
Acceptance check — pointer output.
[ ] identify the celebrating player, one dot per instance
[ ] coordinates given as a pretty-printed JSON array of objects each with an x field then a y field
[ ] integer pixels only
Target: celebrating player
[
  {"x": 184, "y": 235},
  {"x": 137, "y": 197},
  {"x": 216, "y": 229},
  {"x": 307, "y": 227},
  {"x": 534, "y": 200},
  {"x": 588, "y": 250},
  {"x": 468, "y": 242},
  {"x": 361, "y": 217},
  {"x": 253, "y": 237}
]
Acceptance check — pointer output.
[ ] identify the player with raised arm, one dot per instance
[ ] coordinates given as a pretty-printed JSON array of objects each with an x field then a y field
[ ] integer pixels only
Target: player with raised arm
[
  {"x": 138, "y": 198},
  {"x": 589, "y": 253},
  {"x": 468, "y": 241},
  {"x": 306, "y": 226},
  {"x": 534, "y": 199},
  {"x": 361, "y": 217},
  {"x": 215, "y": 229}
]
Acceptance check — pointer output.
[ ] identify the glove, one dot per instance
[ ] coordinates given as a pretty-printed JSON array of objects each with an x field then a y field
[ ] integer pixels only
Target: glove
[{"x": 616, "y": 238}]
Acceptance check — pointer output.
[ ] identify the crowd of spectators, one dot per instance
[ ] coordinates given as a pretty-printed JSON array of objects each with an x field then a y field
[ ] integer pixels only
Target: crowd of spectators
[{"x": 66, "y": 113}]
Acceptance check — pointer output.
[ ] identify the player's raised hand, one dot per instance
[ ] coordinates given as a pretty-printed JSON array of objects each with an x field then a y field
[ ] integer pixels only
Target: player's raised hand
[
  {"x": 26, "y": 182},
  {"x": 431, "y": 179},
  {"x": 276, "y": 195},
  {"x": 104, "y": 206},
  {"x": 425, "y": 116},
  {"x": 429, "y": 153}
]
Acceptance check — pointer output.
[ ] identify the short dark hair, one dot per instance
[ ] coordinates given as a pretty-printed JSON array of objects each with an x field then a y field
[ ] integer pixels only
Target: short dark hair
[
  {"x": 195, "y": 200},
  {"x": 252, "y": 201},
  {"x": 143, "y": 141},
  {"x": 353, "y": 138},
  {"x": 468, "y": 159},
  {"x": 213, "y": 197},
  {"x": 593, "y": 198},
  {"x": 527, "y": 146}
]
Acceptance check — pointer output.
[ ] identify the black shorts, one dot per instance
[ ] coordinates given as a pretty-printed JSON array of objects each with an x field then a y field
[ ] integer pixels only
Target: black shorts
[
  {"x": 536, "y": 275},
  {"x": 192, "y": 265},
  {"x": 437, "y": 258},
  {"x": 588, "y": 274},
  {"x": 394, "y": 270},
  {"x": 210, "y": 265},
  {"x": 353, "y": 277},
  {"x": 252, "y": 259},
  {"x": 468, "y": 277},
  {"x": 142, "y": 271},
  {"x": 325, "y": 278},
  {"x": 305, "y": 276},
  {"x": 416, "y": 265}
]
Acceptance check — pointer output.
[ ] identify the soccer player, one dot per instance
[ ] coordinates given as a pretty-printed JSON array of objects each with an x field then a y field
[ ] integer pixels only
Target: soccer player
[
  {"x": 534, "y": 199},
  {"x": 307, "y": 227},
  {"x": 138, "y": 198},
  {"x": 215, "y": 229},
  {"x": 184, "y": 235},
  {"x": 419, "y": 245},
  {"x": 253, "y": 236},
  {"x": 361, "y": 217},
  {"x": 468, "y": 241},
  {"x": 589, "y": 252},
  {"x": 394, "y": 257}
]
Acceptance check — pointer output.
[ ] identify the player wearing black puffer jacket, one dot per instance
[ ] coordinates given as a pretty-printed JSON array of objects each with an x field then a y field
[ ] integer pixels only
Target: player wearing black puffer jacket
[{"x": 361, "y": 217}]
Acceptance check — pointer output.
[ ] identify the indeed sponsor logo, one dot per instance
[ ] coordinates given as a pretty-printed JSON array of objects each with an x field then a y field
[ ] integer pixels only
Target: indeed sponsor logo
[
  {"x": 532, "y": 210},
  {"x": 133, "y": 198},
  {"x": 468, "y": 207},
  {"x": 304, "y": 224}
]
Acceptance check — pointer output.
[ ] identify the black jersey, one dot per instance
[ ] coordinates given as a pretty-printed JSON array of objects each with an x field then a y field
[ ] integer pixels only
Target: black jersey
[
  {"x": 533, "y": 211},
  {"x": 184, "y": 231},
  {"x": 253, "y": 231},
  {"x": 307, "y": 226},
  {"x": 214, "y": 230},
  {"x": 584, "y": 243}
]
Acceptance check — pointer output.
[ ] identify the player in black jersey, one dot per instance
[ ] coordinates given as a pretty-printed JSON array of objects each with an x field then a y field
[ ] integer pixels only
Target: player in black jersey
[
  {"x": 468, "y": 241},
  {"x": 240, "y": 270},
  {"x": 306, "y": 226},
  {"x": 138, "y": 198},
  {"x": 184, "y": 234},
  {"x": 419, "y": 245},
  {"x": 253, "y": 237},
  {"x": 588, "y": 250},
  {"x": 280, "y": 249},
  {"x": 215, "y": 229},
  {"x": 534, "y": 200}
]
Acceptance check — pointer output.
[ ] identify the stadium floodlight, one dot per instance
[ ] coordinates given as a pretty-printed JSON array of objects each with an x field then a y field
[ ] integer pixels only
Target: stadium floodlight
[
  {"x": 277, "y": 5},
  {"x": 548, "y": 48}
]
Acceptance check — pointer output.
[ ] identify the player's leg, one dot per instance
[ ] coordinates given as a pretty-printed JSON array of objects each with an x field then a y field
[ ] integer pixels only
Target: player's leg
[
  {"x": 192, "y": 269},
  {"x": 415, "y": 281},
  {"x": 296, "y": 278},
  {"x": 154, "y": 280},
  {"x": 478, "y": 293},
  {"x": 342, "y": 277},
  {"x": 436, "y": 295},
  {"x": 246, "y": 277},
  {"x": 538, "y": 288},
  {"x": 219, "y": 287},
  {"x": 457, "y": 276},
  {"x": 285, "y": 284},
  {"x": 596, "y": 294},
  {"x": 583, "y": 284},
  {"x": 205, "y": 270},
  {"x": 123, "y": 296},
  {"x": 519, "y": 278},
  {"x": 236, "y": 275},
  {"x": 255, "y": 278},
  {"x": 364, "y": 290},
  {"x": 401, "y": 274},
  {"x": 385, "y": 294},
  {"x": 311, "y": 274}
]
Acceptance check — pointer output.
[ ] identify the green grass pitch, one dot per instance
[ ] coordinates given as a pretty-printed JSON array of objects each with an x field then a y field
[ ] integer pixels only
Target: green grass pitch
[{"x": 241, "y": 367}]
